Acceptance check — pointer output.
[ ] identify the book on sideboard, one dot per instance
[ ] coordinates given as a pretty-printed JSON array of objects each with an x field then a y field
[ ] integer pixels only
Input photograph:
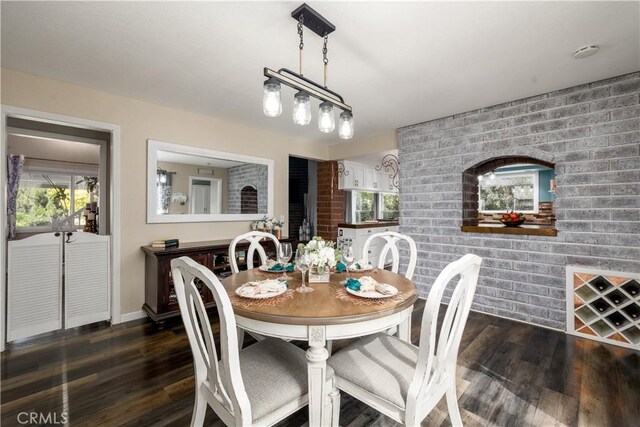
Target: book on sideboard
[{"x": 164, "y": 244}]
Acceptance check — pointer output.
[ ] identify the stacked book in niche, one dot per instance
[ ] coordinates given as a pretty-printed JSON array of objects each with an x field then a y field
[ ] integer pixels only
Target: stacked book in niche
[{"x": 165, "y": 244}]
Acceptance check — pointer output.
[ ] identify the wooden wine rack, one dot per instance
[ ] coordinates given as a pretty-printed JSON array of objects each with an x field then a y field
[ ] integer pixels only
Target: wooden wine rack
[{"x": 604, "y": 305}]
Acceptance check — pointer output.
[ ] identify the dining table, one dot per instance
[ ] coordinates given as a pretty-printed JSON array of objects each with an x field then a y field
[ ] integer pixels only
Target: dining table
[{"x": 327, "y": 314}]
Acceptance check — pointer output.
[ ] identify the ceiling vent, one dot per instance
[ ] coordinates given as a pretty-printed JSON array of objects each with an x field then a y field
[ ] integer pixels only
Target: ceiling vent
[{"x": 585, "y": 51}]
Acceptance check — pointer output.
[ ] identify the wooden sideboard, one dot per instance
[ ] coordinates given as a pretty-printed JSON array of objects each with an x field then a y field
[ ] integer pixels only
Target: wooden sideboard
[{"x": 161, "y": 302}]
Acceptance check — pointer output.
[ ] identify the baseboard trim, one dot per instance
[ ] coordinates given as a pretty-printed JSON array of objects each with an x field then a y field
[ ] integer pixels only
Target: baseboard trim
[{"x": 134, "y": 315}]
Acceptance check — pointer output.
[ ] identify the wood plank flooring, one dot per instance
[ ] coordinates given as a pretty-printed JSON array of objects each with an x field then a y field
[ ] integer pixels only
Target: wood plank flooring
[{"x": 509, "y": 374}]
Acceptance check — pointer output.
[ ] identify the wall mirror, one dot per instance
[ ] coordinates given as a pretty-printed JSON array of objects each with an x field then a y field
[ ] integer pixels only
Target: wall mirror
[{"x": 191, "y": 184}]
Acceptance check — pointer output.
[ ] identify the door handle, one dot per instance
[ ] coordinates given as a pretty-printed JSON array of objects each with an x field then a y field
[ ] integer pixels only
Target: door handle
[{"x": 69, "y": 235}]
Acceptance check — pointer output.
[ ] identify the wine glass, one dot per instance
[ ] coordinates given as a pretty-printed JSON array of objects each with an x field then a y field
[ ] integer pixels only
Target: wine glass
[
  {"x": 348, "y": 257},
  {"x": 302, "y": 262},
  {"x": 284, "y": 255}
]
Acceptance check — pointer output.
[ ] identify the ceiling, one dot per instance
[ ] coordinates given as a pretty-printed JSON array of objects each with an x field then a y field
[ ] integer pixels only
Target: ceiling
[
  {"x": 190, "y": 159},
  {"x": 396, "y": 63}
]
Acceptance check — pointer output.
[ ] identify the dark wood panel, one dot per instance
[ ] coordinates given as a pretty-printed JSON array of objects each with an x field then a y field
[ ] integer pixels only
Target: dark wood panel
[{"x": 509, "y": 374}]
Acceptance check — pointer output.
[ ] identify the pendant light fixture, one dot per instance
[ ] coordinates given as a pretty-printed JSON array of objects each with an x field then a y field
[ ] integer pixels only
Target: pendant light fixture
[{"x": 272, "y": 104}]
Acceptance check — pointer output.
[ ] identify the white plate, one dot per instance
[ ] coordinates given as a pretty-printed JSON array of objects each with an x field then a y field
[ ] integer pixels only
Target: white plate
[
  {"x": 369, "y": 294},
  {"x": 262, "y": 296},
  {"x": 266, "y": 270}
]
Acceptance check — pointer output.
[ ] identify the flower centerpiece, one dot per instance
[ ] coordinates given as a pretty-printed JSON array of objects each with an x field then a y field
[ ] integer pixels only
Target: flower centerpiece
[{"x": 323, "y": 257}]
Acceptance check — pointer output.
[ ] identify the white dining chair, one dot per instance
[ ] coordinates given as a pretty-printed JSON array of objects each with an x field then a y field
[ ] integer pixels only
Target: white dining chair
[
  {"x": 259, "y": 385},
  {"x": 254, "y": 238},
  {"x": 392, "y": 239},
  {"x": 401, "y": 380}
]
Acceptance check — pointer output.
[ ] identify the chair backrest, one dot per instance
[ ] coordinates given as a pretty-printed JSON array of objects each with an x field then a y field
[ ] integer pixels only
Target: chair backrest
[
  {"x": 223, "y": 376},
  {"x": 437, "y": 363},
  {"x": 391, "y": 239},
  {"x": 254, "y": 238}
]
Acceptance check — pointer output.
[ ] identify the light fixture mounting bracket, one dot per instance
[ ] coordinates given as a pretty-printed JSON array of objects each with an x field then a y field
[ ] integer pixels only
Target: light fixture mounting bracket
[{"x": 313, "y": 20}]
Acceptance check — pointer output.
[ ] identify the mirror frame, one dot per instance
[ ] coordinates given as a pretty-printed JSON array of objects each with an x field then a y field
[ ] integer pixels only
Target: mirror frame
[{"x": 153, "y": 217}]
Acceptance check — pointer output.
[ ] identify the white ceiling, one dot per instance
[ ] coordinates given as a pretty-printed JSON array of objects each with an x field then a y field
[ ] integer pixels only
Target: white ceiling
[
  {"x": 396, "y": 63},
  {"x": 190, "y": 159}
]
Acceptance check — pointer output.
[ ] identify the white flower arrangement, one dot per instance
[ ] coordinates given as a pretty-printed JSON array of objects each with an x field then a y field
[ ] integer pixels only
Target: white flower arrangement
[
  {"x": 322, "y": 254},
  {"x": 277, "y": 224},
  {"x": 267, "y": 223}
]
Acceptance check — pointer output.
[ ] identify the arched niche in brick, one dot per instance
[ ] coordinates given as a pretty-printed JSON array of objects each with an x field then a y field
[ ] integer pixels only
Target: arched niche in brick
[
  {"x": 249, "y": 200},
  {"x": 470, "y": 181}
]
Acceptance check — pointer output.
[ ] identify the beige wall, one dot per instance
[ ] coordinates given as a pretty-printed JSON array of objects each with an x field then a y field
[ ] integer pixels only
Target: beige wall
[
  {"x": 139, "y": 121},
  {"x": 180, "y": 183},
  {"x": 359, "y": 146}
]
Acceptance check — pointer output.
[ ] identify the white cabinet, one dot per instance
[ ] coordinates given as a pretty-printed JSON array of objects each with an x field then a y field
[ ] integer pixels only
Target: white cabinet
[
  {"x": 355, "y": 237},
  {"x": 352, "y": 178}
]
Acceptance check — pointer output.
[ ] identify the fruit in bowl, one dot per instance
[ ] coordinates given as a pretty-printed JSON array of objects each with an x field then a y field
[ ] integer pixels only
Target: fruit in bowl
[{"x": 512, "y": 219}]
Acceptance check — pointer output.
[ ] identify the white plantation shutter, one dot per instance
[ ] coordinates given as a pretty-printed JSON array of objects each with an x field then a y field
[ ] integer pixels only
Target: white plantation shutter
[
  {"x": 87, "y": 279},
  {"x": 34, "y": 287}
]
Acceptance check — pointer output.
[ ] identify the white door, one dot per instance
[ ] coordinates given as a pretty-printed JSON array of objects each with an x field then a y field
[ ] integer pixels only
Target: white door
[
  {"x": 87, "y": 279},
  {"x": 34, "y": 285},
  {"x": 200, "y": 198}
]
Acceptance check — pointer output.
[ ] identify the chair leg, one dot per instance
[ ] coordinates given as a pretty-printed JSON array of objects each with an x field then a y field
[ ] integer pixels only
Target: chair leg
[
  {"x": 199, "y": 409},
  {"x": 240, "y": 337},
  {"x": 452, "y": 405},
  {"x": 332, "y": 409}
]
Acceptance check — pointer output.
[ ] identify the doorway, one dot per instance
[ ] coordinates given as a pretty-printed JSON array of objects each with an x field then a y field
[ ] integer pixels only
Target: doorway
[
  {"x": 205, "y": 195},
  {"x": 69, "y": 183}
]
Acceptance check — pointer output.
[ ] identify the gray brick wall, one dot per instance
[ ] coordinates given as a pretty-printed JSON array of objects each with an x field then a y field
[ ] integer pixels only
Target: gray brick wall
[
  {"x": 254, "y": 175},
  {"x": 591, "y": 133}
]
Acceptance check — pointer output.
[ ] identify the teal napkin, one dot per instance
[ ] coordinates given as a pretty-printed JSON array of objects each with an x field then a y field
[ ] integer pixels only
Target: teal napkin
[
  {"x": 341, "y": 267},
  {"x": 278, "y": 267},
  {"x": 353, "y": 284}
]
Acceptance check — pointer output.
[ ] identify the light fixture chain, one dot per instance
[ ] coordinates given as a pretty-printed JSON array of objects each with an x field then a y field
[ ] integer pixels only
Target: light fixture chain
[
  {"x": 301, "y": 35},
  {"x": 325, "y": 60}
]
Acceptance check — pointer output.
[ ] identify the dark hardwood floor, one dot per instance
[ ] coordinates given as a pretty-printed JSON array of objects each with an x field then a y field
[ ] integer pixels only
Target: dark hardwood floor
[{"x": 510, "y": 374}]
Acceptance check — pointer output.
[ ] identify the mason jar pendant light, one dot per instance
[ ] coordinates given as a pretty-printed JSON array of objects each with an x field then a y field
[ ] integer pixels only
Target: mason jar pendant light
[
  {"x": 272, "y": 105},
  {"x": 301, "y": 108},
  {"x": 345, "y": 127}
]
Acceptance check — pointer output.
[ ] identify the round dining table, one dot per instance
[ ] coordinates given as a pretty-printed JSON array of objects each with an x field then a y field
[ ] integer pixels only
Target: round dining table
[{"x": 319, "y": 317}]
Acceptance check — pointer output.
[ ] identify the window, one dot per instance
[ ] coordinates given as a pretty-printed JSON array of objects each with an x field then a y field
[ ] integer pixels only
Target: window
[
  {"x": 363, "y": 206},
  {"x": 389, "y": 206},
  {"x": 505, "y": 191},
  {"x": 46, "y": 196},
  {"x": 371, "y": 206}
]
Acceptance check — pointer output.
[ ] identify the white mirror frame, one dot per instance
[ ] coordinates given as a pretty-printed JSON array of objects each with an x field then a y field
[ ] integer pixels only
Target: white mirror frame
[{"x": 152, "y": 200}]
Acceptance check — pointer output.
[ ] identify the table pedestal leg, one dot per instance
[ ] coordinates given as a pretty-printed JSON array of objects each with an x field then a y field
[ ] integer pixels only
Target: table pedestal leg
[{"x": 317, "y": 356}]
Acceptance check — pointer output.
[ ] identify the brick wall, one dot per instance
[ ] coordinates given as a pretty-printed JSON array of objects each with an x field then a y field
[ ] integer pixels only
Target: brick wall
[
  {"x": 330, "y": 201},
  {"x": 591, "y": 133},
  {"x": 253, "y": 175}
]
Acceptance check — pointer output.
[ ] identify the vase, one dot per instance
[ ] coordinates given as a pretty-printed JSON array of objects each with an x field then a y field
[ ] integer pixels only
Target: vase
[
  {"x": 317, "y": 277},
  {"x": 278, "y": 234}
]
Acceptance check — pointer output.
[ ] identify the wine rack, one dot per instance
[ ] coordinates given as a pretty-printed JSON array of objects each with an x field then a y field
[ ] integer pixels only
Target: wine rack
[{"x": 604, "y": 305}]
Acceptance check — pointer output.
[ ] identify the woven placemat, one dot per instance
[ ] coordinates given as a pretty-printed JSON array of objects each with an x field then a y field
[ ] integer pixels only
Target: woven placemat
[
  {"x": 343, "y": 295},
  {"x": 255, "y": 302}
]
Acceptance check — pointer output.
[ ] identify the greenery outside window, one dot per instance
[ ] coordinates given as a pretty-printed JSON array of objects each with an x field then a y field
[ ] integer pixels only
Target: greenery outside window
[
  {"x": 363, "y": 206},
  {"x": 389, "y": 206},
  {"x": 45, "y": 196},
  {"x": 506, "y": 191},
  {"x": 366, "y": 206}
]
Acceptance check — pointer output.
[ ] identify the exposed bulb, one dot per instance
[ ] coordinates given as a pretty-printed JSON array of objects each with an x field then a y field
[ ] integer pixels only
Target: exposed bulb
[
  {"x": 326, "y": 119},
  {"x": 345, "y": 129},
  {"x": 301, "y": 108},
  {"x": 271, "y": 104}
]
